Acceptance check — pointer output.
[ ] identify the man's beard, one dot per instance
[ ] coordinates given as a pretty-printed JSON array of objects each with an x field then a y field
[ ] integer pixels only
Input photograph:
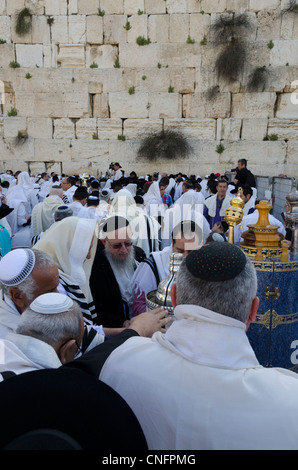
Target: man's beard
[{"x": 126, "y": 263}]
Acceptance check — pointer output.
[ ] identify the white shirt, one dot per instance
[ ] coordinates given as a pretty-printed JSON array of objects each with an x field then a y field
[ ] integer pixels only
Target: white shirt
[{"x": 200, "y": 386}]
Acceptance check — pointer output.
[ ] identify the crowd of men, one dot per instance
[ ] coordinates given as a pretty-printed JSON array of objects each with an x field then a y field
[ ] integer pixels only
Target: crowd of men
[{"x": 78, "y": 258}]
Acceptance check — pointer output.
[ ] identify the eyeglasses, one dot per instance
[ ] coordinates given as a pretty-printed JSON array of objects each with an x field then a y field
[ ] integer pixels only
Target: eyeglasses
[
  {"x": 117, "y": 246},
  {"x": 79, "y": 351}
]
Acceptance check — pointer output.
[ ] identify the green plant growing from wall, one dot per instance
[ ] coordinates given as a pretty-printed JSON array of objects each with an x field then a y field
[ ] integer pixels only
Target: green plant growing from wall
[
  {"x": 189, "y": 40},
  {"x": 142, "y": 41},
  {"x": 220, "y": 148},
  {"x": 14, "y": 64},
  {"x": 23, "y": 22},
  {"x": 140, "y": 12},
  {"x": 2, "y": 41},
  {"x": 121, "y": 137},
  {"x": 28, "y": 76},
  {"x": 94, "y": 136},
  {"x": 131, "y": 90},
  {"x": 228, "y": 31},
  {"x": 272, "y": 137},
  {"x": 127, "y": 26},
  {"x": 117, "y": 64},
  {"x": 94, "y": 65},
  {"x": 270, "y": 44},
  {"x": 171, "y": 89},
  {"x": 12, "y": 112},
  {"x": 21, "y": 137},
  {"x": 101, "y": 12},
  {"x": 167, "y": 144},
  {"x": 203, "y": 42}
]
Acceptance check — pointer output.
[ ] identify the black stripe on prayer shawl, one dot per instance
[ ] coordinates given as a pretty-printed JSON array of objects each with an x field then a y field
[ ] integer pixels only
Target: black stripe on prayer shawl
[{"x": 76, "y": 294}]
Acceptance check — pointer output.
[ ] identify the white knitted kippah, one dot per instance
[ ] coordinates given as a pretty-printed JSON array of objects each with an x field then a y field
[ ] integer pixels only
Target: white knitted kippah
[
  {"x": 51, "y": 303},
  {"x": 16, "y": 266}
]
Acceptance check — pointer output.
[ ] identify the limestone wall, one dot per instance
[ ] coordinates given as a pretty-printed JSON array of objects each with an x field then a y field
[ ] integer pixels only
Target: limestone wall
[{"x": 70, "y": 116}]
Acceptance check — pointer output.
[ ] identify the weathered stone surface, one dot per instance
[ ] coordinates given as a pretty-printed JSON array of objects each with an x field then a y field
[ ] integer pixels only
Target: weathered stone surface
[
  {"x": 124, "y": 105},
  {"x": 86, "y": 128},
  {"x": 14, "y": 125},
  {"x": 28, "y": 55},
  {"x": 40, "y": 128},
  {"x": 286, "y": 129},
  {"x": 201, "y": 129},
  {"x": 94, "y": 29},
  {"x": 253, "y": 105},
  {"x": 158, "y": 28},
  {"x": 165, "y": 105},
  {"x": 63, "y": 129},
  {"x": 137, "y": 128},
  {"x": 254, "y": 129},
  {"x": 71, "y": 55},
  {"x": 104, "y": 56}
]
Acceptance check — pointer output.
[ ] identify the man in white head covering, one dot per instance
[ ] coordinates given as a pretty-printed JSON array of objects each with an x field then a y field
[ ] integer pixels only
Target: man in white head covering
[
  {"x": 49, "y": 334},
  {"x": 43, "y": 213}
]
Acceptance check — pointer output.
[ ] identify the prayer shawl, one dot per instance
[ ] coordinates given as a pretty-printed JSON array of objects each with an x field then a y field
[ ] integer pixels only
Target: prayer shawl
[
  {"x": 210, "y": 203},
  {"x": 203, "y": 388},
  {"x": 43, "y": 214},
  {"x": 68, "y": 242}
]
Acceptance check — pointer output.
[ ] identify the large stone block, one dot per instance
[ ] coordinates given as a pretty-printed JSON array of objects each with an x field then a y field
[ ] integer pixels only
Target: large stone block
[
  {"x": 112, "y": 7},
  {"x": 133, "y": 55},
  {"x": 158, "y": 28},
  {"x": 176, "y": 6},
  {"x": 231, "y": 129},
  {"x": 55, "y": 7},
  {"x": 29, "y": 55},
  {"x": 5, "y": 32},
  {"x": 197, "y": 106},
  {"x": 59, "y": 30},
  {"x": 287, "y": 107},
  {"x": 100, "y": 107},
  {"x": 94, "y": 29},
  {"x": 50, "y": 53},
  {"x": 88, "y": 150},
  {"x": 19, "y": 149},
  {"x": 153, "y": 7},
  {"x": 183, "y": 80},
  {"x": 138, "y": 27},
  {"x": 165, "y": 105},
  {"x": 86, "y": 128},
  {"x": 40, "y": 30},
  {"x": 7, "y": 55},
  {"x": 40, "y": 128},
  {"x": 13, "y": 6},
  {"x": 77, "y": 29},
  {"x": 71, "y": 55},
  {"x": 202, "y": 129},
  {"x": 51, "y": 150},
  {"x": 63, "y": 128},
  {"x": 156, "y": 79},
  {"x": 125, "y": 105},
  {"x": 199, "y": 26},
  {"x": 88, "y": 8},
  {"x": 113, "y": 27},
  {"x": 14, "y": 125},
  {"x": 180, "y": 54},
  {"x": 284, "y": 51},
  {"x": 254, "y": 129},
  {"x": 131, "y": 7},
  {"x": 138, "y": 128},
  {"x": 253, "y": 105},
  {"x": 179, "y": 28},
  {"x": 104, "y": 56},
  {"x": 258, "y": 5},
  {"x": 286, "y": 129},
  {"x": 109, "y": 129}
]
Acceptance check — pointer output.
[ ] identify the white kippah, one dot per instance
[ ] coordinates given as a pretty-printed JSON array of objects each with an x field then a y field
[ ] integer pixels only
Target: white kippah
[
  {"x": 16, "y": 266},
  {"x": 51, "y": 303}
]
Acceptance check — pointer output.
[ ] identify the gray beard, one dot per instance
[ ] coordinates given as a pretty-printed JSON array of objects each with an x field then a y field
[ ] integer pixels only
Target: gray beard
[{"x": 126, "y": 264}]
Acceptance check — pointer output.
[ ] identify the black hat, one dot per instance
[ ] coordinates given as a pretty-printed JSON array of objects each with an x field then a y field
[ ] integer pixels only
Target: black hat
[
  {"x": 216, "y": 262},
  {"x": 118, "y": 164},
  {"x": 5, "y": 210}
]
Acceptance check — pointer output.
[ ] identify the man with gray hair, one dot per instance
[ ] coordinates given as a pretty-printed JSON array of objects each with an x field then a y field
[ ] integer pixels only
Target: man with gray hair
[
  {"x": 201, "y": 382},
  {"x": 49, "y": 334}
]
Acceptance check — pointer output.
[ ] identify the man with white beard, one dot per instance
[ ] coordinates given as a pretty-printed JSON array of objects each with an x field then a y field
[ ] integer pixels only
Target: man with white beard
[{"x": 114, "y": 264}]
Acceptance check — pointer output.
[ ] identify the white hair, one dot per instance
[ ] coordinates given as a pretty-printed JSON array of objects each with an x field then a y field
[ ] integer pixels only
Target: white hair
[{"x": 51, "y": 328}]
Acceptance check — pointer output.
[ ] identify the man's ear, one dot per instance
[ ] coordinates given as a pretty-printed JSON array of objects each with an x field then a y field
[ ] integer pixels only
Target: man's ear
[
  {"x": 66, "y": 351},
  {"x": 253, "y": 311},
  {"x": 173, "y": 295},
  {"x": 19, "y": 299}
]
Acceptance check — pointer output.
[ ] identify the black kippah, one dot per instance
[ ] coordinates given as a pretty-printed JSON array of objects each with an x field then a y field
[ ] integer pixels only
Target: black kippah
[{"x": 216, "y": 262}]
